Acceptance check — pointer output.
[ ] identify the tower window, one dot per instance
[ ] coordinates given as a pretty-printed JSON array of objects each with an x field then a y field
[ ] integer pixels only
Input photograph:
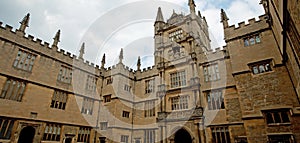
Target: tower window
[
  {"x": 87, "y": 106},
  {"x": 107, "y": 98},
  {"x": 215, "y": 100},
  {"x": 24, "y": 60},
  {"x": 59, "y": 100},
  {"x": 175, "y": 35},
  {"x": 91, "y": 83},
  {"x": 277, "y": 117},
  {"x": 220, "y": 135},
  {"x": 179, "y": 102},
  {"x": 149, "y": 86},
  {"x": 178, "y": 79},
  {"x": 65, "y": 75},
  {"x": 125, "y": 114},
  {"x": 252, "y": 40},
  {"x": 261, "y": 67},
  {"x": 13, "y": 90},
  {"x": 211, "y": 72}
]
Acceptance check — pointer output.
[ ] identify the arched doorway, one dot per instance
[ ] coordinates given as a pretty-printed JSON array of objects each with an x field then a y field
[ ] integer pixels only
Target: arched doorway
[
  {"x": 26, "y": 135},
  {"x": 182, "y": 136}
]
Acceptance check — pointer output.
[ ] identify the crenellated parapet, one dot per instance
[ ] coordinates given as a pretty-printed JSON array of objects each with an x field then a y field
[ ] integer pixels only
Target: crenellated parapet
[
  {"x": 43, "y": 48},
  {"x": 232, "y": 32}
]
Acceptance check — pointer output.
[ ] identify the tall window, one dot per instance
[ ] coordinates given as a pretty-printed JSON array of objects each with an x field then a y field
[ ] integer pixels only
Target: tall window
[
  {"x": 13, "y": 90},
  {"x": 149, "y": 86},
  {"x": 107, "y": 98},
  {"x": 149, "y": 136},
  {"x": 220, "y": 135},
  {"x": 24, "y": 60},
  {"x": 149, "y": 108},
  {"x": 87, "y": 106},
  {"x": 52, "y": 132},
  {"x": 178, "y": 79},
  {"x": 109, "y": 80},
  {"x": 59, "y": 100},
  {"x": 103, "y": 125},
  {"x": 125, "y": 114},
  {"x": 179, "y": 102},
  {"x": 84, "y": 135},
  {"x": 261, "y": 67},
  {"x": 91, "y": 83},
  {"x": 124, "y": 139},
  {"x": 215, "y": 100},
  {"x": 178, "y": 34},
  {"x": 251, "y": 40},
  {"x": 211, "y": 72},
  {"x": 277, "y": 116},
  {"x": 65, "y": 75},
  {"x": 281, "y": 139},
  {"x": 6, "y": 128}
]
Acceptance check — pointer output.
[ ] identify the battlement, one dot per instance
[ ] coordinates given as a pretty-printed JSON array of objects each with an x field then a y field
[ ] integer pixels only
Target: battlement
[
  {"x": 242, "y": 29},
  {"x": 42, "y": 47}
]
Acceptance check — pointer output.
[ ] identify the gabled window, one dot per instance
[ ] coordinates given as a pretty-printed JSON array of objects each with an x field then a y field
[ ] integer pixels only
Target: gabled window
[
  {"x": 107, "y": 98},
  {"x": 91, "y": 83},
  {"x": 149, "y": 108},
  {"x": 211, "y": 72},
  {"x": 277, "y": 116},
  {"x": 84, "y": 135},
  {"x": 215, "y": 100},
  {"x": 179, "y": 102},
  {"x": 52, "y": 132},
  {"x": 251, "y": 40},
  {"x": 13, "y": 90},
  {"x": 59, "y": 100},
  {"x": 65, "y": 75},
  {"x": 24, "y": 60},
  {"x": 87, "y": 106},
  {"x": 178, "y": 79},
  {"x": 6, "y": 128},
  {"x": 149, "y": 86},
  {"x": 125, "y": 114},
  {"x": 261, "y": 67}
]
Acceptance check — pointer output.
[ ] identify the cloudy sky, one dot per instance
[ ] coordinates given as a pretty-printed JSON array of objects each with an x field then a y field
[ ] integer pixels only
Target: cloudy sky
[{"x": 107, "y": 26}]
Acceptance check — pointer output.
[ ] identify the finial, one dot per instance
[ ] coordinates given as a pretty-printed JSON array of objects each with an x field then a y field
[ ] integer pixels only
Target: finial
[
  {"x": 192, "y": 6},
  {"x": 81, "y": 51},
  {"x": 199, "y": 14},
  {"x": 24, "y": 23},
  {"x": 56, "y": 39},
  {"x": 139, "y": 64},
  {"x": 159, "y": 16},
  {"x": 121, "y": 56},
  {"x": 103, "y": 61},
  {"x": 224, "y": 18}
]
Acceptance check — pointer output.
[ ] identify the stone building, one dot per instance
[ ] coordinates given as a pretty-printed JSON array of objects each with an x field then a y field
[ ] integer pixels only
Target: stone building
[{"x": 246, "y": 91}]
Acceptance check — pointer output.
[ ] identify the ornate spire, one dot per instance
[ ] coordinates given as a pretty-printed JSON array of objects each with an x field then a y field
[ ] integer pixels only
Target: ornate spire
[
  {"x": 192, "y": 6},
  {"x": 81, "y": 51},
  {"x": 24, "y": 23},
  {"x": 56, "y": 39},
  {"x": 159, "y": 16},
  {"x": 139, "y": 64},
  {"x": 103, "y": 61},
  {"x": 121, "y": 56},
  {"x": 224, "y": 18}
]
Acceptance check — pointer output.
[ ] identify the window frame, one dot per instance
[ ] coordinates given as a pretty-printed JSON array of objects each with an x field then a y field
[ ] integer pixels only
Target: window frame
[
  {"x": 260, "y": 67},
  {"x": 211, "y": 72},
  {"x": 52, "y": 132},
  {"x": 107, "y": 98},
  {"x": 218, "y": 100},
  {"x": 125, "y": 114},
  {"x": 252, "y": 40},
  {"x": 13, "y": 89},
  {"x": 219, "y": 133},
  {"x": 65, "y": 74},
  {"x": 149, "y": 86},
  {"x": 283, "y": 117},
  {"x": 180, "y": 102},
  {"x": 24, "y": 60},
  {"x": 178, "y": 79},
  {"x": 59, "y": 100}
]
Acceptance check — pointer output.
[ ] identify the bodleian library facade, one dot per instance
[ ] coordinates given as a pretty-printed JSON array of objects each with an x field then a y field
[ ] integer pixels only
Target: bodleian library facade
[{"x": 245, "y": 92}]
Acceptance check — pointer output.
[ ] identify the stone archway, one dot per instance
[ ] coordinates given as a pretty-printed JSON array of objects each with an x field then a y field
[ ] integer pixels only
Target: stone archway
[
  {"x": 182, "y": 136},
  {"x": 26, "y": 135}
]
